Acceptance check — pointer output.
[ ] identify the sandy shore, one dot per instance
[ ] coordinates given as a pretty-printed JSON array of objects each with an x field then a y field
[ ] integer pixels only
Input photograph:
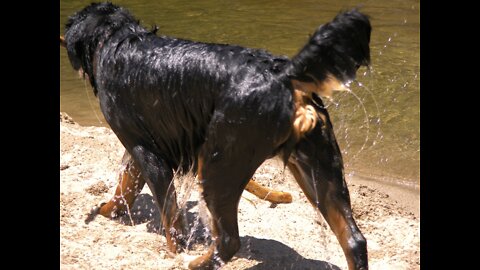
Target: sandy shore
[{"x": 288, "y": 236}]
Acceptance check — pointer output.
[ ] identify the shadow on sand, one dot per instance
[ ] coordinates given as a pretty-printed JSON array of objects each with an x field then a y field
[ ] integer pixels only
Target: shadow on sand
[{"x": 270, "y": 254}]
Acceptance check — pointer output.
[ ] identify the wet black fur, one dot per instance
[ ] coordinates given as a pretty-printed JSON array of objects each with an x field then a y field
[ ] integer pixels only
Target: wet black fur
[
  {"x": 165, "y": 93},
  {"x": 339, "y": 47},
  {"x": 170, "y": 101}
]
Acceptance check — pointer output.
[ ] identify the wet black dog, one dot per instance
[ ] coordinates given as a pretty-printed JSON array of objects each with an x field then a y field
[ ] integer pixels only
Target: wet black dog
[{"x": 223, "y": 110}]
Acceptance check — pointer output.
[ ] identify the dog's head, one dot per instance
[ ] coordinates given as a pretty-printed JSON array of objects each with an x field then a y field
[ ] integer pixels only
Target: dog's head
[
  {"x": 335, "y": 51},
  {"x": 87, "y": 29}
]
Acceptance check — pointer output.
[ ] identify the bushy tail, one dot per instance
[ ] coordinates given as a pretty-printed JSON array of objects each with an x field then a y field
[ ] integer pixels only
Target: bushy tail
[{"x": 336, "y": 48}]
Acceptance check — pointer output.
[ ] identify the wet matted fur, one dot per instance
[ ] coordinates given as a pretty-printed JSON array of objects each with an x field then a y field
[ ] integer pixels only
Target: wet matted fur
[{"x": 222, "y": 110}]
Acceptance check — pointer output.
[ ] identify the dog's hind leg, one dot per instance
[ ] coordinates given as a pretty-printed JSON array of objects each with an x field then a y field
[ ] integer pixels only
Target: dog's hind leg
[
  {"x": 316, "y": 164},
  {"x": 158, "y": 176},
  {"x": 223, "y": 181}
]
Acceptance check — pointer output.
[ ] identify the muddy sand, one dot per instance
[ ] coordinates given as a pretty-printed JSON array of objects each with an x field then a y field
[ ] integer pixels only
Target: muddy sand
[{"x": 284, "y": 236}]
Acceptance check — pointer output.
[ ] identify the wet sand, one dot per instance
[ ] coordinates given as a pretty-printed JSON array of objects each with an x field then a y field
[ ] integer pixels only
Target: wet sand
[{"x": 408, "y": 198}]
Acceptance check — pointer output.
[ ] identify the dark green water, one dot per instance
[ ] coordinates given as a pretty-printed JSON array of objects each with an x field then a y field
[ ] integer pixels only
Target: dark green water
[{"x": 378, "y": 128}]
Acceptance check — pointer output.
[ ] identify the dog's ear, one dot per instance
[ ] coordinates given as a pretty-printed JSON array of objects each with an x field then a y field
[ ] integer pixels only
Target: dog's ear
[
  {"x": 75, "y": 48},
  {"x": 81, "y": 33}
]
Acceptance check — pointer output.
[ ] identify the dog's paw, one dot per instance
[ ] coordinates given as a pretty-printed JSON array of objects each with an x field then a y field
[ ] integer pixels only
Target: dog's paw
[{"x": 93, "y": 213}]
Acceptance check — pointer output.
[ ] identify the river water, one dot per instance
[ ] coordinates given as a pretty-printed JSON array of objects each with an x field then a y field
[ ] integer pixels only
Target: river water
[{"x": 377, "y": 125}]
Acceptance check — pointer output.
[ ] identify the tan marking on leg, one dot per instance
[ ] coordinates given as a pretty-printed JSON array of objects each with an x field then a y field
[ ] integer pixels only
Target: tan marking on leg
[
  {"x": 173, "y": 222},
  {"x": 204, "y": 261},
  {"x": 199, "y": 167},
  {"x": 130, "y": 185},
  {"x": 199, "y": 176},
  {"x": 170, "y": 221}
]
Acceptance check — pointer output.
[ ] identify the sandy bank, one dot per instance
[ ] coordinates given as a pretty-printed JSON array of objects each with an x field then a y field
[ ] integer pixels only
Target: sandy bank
[{"x": 290, "y": 236}]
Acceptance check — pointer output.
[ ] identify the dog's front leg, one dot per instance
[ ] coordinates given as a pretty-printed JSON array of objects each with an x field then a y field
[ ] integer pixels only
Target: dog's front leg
[
  {"x": 158, "y": 176},
  {"x": 317, "y": 165},
  {"x": 130, "y": 184}
]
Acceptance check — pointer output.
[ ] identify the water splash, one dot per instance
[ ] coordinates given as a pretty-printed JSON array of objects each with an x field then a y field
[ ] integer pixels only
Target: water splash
[
  {"x": 126, "y": 205},
  {"x": 377, "y": 111},
  {"x": 122, "y": 198},
  {"x": 198, "y": 226},
  {"x": 366, "y": 121},
  {"x": 186, "y": 183},
  {"x": 381, "y": 51},
  {"x": 197, "y": 230},
  {"x": 314, "y": 180},
  {"x": 344, "y": 127}
]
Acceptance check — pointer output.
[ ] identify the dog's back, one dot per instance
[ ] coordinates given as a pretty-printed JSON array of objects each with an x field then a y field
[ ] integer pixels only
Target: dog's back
[
  {"x": 164, "y": 92},
  {"x": 182, "y": 85}
]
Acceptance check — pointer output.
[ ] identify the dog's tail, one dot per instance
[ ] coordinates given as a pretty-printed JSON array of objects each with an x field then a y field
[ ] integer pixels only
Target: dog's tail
[{"x": 337, "y": 49}]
